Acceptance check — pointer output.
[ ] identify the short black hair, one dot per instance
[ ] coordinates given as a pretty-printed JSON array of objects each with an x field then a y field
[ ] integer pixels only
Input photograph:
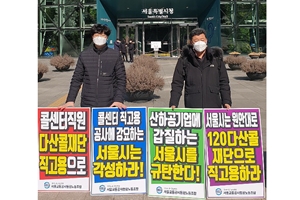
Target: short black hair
[
  {"x": 196, "y": 31},
  {"x": 99, "y": 28}
]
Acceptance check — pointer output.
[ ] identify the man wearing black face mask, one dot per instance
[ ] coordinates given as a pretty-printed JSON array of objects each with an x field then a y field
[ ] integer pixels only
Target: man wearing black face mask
[
  {"x": 203, "y": 75},
  {"x": 101, "y": 73}
]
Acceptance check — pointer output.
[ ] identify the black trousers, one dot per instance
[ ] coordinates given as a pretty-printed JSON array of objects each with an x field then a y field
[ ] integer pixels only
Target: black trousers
[
  {"x": 124, "y": 56},
  {"x": 131, "y": 56}
]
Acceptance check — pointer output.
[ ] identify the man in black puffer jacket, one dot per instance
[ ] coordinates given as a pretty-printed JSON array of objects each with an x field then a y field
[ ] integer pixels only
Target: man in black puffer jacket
[
  {"x": 101, "y": 72},
  {"x": 202, "y": 73}
]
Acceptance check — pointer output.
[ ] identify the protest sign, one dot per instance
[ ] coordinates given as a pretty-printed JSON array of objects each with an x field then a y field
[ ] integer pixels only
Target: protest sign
[
  {"x": 235, "y": 167},
  {"x": 63, "y": 138},
  {"x": 176, "y": 163},
  {"x": 118, "y": 153}
]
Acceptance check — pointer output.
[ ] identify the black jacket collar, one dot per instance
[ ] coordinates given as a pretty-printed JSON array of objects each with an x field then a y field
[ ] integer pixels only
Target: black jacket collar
[
  {"x": 187, "y": 51},
  {"x": 99, "y": 51}
]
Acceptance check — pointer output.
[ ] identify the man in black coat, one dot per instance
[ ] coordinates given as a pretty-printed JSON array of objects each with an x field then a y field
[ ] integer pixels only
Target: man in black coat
[
  {"x": 203, "y": 75},
  {"x": 131, "y": 50},
  {"x": 117, "y": 44},
  {"x": 101, "y": 73},
  {"x": 123, "y": 49}
]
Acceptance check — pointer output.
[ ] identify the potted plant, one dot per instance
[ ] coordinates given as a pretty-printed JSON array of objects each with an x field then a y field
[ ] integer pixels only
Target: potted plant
[
  {"x": 254, "y": 55},
  {"x": 234, "y": 62},
  {"x": 42, "y": 69},
  {"x": 142, "y": 78},
  {"x": 255, "y": 69},
  {"x": 62, "y": 63}
]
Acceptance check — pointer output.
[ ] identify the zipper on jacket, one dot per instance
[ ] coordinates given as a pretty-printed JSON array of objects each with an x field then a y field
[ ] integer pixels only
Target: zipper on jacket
[
  {"x": 98, "y": 75},
  {"x": 202, "y": 87}
]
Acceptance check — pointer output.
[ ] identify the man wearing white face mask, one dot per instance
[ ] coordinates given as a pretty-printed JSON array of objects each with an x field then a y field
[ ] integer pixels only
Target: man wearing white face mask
[
  {"x": 101, "y": 73},
  {"x": 202, "y": 73}
]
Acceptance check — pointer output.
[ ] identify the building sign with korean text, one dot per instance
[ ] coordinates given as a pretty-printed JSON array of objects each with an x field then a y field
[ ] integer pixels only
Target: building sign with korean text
[
  {"x": 235, "y": 167},
  {"x": 63, "y": 138},
  {"x": 118, "y": 153},
  {"x": 176, "y": 163},
  {"x": 158, "y": 13}
]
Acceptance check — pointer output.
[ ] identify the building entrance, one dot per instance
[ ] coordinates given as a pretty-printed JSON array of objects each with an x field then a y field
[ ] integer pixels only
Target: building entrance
[
  {"x": 171, "y": 34},
  {"x": 159, "y": 33}
]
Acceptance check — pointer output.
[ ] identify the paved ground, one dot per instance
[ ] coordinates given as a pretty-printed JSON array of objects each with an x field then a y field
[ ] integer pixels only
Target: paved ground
[{"x": 54, "y": 85}]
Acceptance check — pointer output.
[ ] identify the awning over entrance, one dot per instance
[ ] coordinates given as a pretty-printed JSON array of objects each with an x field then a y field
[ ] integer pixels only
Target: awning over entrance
[
  {"x": 166, "y": 21},
  {"x": 141, "y": 8}
]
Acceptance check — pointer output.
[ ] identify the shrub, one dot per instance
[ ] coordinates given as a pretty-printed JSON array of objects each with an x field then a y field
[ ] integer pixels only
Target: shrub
[
  {"x": 254, "y": 66},
  {"x": 240, "y": 46},
  {"x": 234, "y": 60},
  {"x": 244, "y": 47},
  {"x": 142, "y": 75},
  {"x": 62, "y": 63},
  {"x": 42, "y": 68},
  {"x": 146, "y": 61}
]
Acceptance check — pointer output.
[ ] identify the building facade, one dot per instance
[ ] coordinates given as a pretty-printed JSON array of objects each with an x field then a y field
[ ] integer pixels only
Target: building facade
[{"x": 160, "y": 26}]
